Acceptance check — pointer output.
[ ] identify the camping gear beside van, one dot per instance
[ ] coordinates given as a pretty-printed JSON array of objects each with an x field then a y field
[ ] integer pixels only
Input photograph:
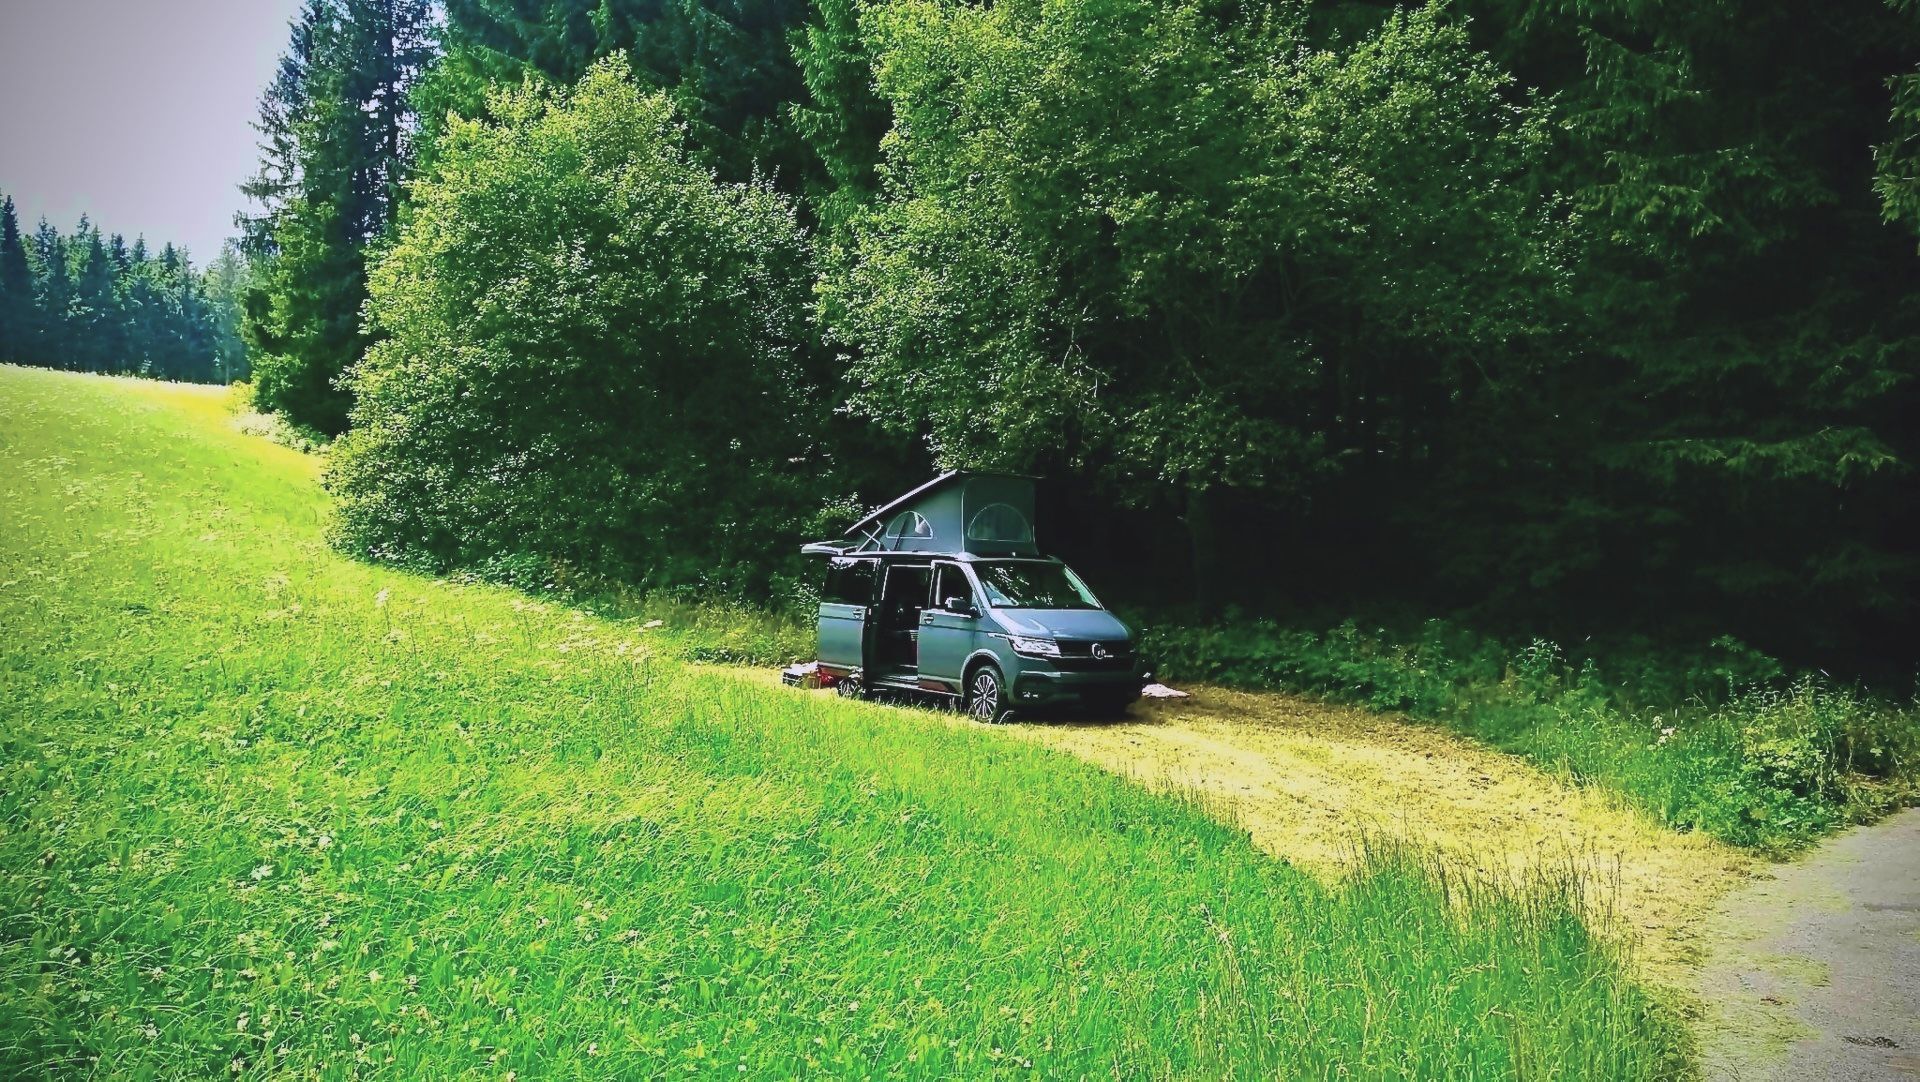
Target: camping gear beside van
[{"x": 945, "y": 592}]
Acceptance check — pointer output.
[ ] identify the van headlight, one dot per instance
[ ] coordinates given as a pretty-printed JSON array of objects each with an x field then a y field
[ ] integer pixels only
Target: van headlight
[{"x": 1034, "y": 647}]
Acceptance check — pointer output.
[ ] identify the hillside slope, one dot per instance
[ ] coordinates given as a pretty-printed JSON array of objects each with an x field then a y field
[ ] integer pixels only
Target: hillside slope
[
  {"x": 266, "y": 809},
  {"x": 1319, "y": 784}
]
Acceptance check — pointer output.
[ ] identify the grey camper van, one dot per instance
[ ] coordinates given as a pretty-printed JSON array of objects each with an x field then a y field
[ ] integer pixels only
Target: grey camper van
[{"x": 945, "y": 591}]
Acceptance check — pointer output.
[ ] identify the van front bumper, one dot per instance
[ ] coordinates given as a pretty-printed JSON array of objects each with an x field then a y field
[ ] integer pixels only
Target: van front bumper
[{"x": 1048, "y": 687}]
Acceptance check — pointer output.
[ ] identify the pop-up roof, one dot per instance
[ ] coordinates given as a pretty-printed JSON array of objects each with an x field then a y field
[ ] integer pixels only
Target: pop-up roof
[{"x": 987, "y": 514}]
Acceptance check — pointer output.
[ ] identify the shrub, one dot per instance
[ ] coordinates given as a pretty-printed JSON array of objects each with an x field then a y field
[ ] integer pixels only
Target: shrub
[{"x": 589, "y": 356}]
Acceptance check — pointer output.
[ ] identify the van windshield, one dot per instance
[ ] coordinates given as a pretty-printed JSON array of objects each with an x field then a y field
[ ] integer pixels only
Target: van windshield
[{"x": 1032, "y": 584}]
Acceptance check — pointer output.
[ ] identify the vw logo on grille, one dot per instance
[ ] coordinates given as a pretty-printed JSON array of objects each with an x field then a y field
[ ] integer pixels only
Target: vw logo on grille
[{"x": 1099, "y": 651}]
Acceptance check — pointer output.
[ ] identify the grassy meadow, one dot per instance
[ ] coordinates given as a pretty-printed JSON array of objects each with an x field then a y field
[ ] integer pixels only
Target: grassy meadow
[{"x": 264, "y": 809}]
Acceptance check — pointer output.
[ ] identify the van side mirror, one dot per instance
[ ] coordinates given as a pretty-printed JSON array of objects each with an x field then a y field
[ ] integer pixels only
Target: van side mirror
[{"x": 960, "y": 605}]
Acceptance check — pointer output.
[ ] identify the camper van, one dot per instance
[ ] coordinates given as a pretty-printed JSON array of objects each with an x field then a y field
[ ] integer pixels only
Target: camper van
[{"x": 945, "y": 592}]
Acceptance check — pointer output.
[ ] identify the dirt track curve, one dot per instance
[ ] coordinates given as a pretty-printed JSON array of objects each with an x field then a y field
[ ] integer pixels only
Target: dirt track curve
[{"x": 1308, "y": 780}]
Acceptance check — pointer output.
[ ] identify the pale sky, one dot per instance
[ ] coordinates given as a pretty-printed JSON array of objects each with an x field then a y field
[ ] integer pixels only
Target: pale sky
[{"x": 137, "y": 112}]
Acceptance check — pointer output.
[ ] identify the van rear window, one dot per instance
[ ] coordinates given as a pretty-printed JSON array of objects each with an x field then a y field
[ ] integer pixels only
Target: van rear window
[{"x": 849, "y": 582}]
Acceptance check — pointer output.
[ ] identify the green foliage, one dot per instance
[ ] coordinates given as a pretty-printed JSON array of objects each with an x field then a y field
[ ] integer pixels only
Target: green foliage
[
  {"x": 89, "y": 302},
  {"x": 1584, "y": 316},
  {"x": 1897, "y": 160},
  {"x": 304, "y": 316},
  {"x": 457, "y": 84},
  {"x": 18, "y": 309},
  {"x": 727, "y": 66},
  {"x": 269, "y": 810},
  {"x": 841, "y": 117},
  {"x": 1172, "y": 248},
  {"x": 336, "y": 122},
  {"x": 1712, "y": 741},
  {"x": 1173, "y": 295},
  {"x": 589, "y": 358},
  {"x": 1720, "y": 430}
]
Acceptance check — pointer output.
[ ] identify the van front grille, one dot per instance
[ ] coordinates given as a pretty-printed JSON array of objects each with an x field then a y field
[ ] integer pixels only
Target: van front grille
[{"x": 1081, "y": 656}]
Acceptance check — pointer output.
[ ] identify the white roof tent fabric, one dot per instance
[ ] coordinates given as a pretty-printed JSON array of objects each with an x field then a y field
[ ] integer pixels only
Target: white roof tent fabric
[{"x": 986, "y": 514}]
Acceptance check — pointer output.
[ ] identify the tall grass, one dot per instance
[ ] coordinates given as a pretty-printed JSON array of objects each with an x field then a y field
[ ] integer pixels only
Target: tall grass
[
  {"x": 1723, "y": 742},
  {"x": 269, "y": 811}
]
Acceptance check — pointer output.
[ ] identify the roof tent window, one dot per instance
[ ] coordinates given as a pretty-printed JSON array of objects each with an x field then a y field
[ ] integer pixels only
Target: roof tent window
[
  {"x": 1000, "y": 523},
  {"x": 909, "y": 524}
]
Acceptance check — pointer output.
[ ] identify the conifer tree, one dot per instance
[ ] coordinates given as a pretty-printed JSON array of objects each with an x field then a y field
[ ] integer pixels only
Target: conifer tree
[
  {"x": 17, "y": 304},
  {"x": 729, "y": 67},
  {"x": 53, "y": 292},
  {"x": 96, "y": 326},
  {"x": 336, "y": 122}
]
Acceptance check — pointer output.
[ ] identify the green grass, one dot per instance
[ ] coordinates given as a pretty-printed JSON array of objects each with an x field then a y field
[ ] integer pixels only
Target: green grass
[
  {"x": 1720, "y": 741},
  {"x": 265, "y": 809}
]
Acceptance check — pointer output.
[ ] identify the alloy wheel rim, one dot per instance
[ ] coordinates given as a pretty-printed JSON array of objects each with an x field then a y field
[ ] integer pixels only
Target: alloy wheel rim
[{"x": 986, "y": 695}]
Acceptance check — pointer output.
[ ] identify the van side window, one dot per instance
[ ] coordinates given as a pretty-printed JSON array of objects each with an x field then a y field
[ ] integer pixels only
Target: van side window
[
  {"x": 950, "y": 582},
  {"x": 849, "y": 582}
]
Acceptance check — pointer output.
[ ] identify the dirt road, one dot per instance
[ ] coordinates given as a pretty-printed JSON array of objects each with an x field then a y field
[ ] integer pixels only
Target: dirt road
[
  {"x": 1814, "y": 973},
  {"x": 1308, "y": 779},
  {"x": 1305, "y": 778}
]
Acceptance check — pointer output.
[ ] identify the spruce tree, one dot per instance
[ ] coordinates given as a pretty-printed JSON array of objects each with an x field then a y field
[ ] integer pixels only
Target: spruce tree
[
  {"x": 729, "y": 67},
  {"x": 337, "y": 123},
  {"x": 17, "y": 311},
  {"x": 53, "y": 294},
  {"x": 98, "y": 341},
  {"x": 282, "y": 106}
]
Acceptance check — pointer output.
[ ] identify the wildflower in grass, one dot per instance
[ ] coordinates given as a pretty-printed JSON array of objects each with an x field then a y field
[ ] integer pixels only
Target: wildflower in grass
[
  {"x": 373, "y": 976},
  {"x": 262, "y": 872},
  {"x": 380, "y": 599}
]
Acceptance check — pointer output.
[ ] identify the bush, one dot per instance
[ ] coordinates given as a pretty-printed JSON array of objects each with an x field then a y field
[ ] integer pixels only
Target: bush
[
  {"x": 1709, "y": 740},
  {"x": 589, "y": 359}
]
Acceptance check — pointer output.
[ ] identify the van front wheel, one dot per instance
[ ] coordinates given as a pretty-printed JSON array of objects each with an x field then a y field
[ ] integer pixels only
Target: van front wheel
[{"x": 987, "y": 696}]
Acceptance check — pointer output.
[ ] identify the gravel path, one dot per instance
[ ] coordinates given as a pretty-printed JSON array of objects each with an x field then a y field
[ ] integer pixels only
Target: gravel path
[{"x": 1814, "y": 974}]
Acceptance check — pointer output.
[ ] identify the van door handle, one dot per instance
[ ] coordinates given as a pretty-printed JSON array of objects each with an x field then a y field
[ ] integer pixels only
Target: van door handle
[{"x": 926, "y": 618}]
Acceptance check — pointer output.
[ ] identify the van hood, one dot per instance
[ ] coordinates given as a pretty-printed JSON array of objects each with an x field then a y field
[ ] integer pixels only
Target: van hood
[{"x": 1073, "y": 625}]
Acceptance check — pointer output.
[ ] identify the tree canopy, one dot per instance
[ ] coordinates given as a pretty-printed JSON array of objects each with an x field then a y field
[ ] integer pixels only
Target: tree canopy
[
  {"x": 89, "y": 302},
  {"x": 587, "y": 350},
  {"x": 1591, "y": 316}
]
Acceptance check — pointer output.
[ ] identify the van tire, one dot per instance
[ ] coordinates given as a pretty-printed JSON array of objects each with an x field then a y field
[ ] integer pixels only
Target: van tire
[
  {"x": 850, "y": 687},
  {"x": 986, "y": 695}
]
